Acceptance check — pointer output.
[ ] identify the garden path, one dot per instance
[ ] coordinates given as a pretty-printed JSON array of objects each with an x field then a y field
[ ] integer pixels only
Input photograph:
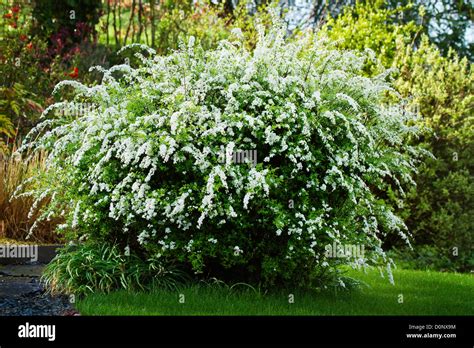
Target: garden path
[{"x": 21, "y": 293}]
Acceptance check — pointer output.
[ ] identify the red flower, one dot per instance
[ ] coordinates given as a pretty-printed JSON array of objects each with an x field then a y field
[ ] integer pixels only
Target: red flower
[
  {"x": 13, "y": 25},
  {"x": 16, "y": 9},
  {"x": 23, "y": 37},
  {"x": 7, "y": 15},
  {"x": 29, "y": 46},
  {"x": 75, "y": 73}
]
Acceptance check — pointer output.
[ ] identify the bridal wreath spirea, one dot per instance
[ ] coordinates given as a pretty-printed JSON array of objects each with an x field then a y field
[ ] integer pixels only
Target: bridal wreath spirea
[{"x": 235, "y": 163}]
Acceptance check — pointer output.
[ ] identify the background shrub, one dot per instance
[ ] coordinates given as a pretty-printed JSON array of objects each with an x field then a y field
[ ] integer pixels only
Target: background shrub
[
  {"x": 439, "y": 210},
  {"x": 52, "y": 17}
]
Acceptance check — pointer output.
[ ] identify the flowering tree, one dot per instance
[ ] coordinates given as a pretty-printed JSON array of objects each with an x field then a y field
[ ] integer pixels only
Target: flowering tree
[{"x": 236, "y": 163}]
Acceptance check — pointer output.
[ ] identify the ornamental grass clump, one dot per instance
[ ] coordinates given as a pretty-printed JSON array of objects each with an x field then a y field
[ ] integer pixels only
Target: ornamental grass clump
[{"x": 235, "y": 164}]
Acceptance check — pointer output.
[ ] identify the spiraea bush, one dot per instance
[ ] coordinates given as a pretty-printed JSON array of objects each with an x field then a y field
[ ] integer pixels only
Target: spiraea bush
[{"x": 154, "y": 166}]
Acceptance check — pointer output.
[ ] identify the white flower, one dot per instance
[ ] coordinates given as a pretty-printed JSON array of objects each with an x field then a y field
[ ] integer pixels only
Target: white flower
[
  {"x": 163, "y": 150},
  {"x": 188, "y": 247},
  {"x": 237, "y": 32},
  {"x": 75, "y": 219},
  {"x": 237, "y": 251},
  {"x": 142, "y": 237},
  {"x": 349, "y": 100},
  {"x": 150, "y": 206}
]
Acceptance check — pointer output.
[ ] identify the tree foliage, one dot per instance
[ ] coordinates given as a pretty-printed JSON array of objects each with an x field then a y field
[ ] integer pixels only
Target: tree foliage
[{"x": 439, "y": 210}]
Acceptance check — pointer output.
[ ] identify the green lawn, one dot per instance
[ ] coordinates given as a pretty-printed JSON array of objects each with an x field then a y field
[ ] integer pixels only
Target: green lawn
[{"x": 424, "y": 293}]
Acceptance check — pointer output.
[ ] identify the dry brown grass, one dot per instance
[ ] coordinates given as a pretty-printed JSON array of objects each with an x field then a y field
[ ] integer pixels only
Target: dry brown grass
[{"x": 14, "y": 220}]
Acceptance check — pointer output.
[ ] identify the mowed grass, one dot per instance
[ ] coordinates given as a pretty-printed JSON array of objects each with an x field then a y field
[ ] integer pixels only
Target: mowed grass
[{"x": 414, "y": 293}]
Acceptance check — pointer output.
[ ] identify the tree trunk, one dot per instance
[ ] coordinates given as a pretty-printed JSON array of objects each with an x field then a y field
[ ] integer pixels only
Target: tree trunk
[
  {"x": 117, "y": 43},
  {"x": 120, "y": 21},
  {"x": 130, "y": 23},
  {"x": 108, "y": 21},
  {"x": 153, "y": 28},
  {"x": 140, "y": 18}
]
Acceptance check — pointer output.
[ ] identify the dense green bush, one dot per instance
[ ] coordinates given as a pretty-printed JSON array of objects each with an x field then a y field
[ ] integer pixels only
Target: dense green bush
[
  {"x": 54, "y": 16},
  {"x": 371, "y": 25},
  {"x": 439, "y": 211},
  {"x": 90, "y": 268},
  {"x": 426, "y": 257},
  {"x": 154, "y": 166},
  {"x": 30, "y": 67},
  {"x": 22, "y": 78}
]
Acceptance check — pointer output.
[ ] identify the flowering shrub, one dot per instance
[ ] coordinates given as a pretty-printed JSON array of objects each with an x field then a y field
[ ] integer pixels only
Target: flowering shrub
[{"x": 165, "y": 165}]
